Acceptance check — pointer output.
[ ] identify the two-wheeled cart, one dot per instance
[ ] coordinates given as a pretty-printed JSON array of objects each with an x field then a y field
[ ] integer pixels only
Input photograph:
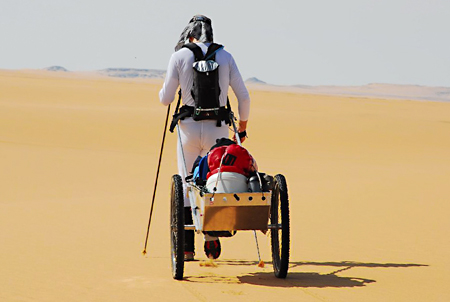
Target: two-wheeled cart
[{"x": 211, "y": 211}]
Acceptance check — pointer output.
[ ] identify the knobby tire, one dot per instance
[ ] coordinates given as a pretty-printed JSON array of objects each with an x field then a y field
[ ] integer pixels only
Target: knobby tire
[
  {"x": 280, "y": 238},
  {"x": 177, "y": 227}
]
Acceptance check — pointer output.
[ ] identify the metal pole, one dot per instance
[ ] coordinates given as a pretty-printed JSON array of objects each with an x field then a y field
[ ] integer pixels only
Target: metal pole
[
  {"x": 182, "y": 151},
  {"x": 238, "y": 140},
  {"x": 236, "y": 134},
  {"x": 156, "y": 180}
]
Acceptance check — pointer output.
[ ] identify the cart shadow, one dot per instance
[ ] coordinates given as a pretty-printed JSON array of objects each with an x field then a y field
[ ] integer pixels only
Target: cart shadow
[
  {"x": 301, "y": 279},
  {"x": 352, "y": 264}
]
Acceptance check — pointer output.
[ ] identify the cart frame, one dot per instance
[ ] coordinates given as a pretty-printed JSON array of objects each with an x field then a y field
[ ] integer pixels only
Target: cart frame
[{"x": 236, "y": 211}]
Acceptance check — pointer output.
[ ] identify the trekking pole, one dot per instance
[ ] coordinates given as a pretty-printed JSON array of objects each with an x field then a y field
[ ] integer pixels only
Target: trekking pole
[
  {"x": 238, "y": 140},
  {"x": 260, "y": 263},
  {"x": 156, "y": 181}
]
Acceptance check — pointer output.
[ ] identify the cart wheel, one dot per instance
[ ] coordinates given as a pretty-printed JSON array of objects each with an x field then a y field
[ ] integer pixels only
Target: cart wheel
[
  {"x": 177, "y": 227},
  {"x": 279, "y": 216}
]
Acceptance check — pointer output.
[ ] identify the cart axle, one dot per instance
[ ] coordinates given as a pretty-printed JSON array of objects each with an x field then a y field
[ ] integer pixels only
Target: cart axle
[{"x": 275, "y": 226}]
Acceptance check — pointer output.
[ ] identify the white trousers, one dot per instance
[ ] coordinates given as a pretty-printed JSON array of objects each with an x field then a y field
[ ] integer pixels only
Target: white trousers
[{"x": 196, "y": 138}]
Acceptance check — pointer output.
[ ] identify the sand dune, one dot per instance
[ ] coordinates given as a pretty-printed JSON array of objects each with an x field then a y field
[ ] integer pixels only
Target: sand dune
[
  {"x": 368, "y": 182},
  {"x": 374, "y": 90}
]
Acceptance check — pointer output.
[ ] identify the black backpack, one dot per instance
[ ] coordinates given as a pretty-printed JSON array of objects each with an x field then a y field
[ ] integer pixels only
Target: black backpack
[{"x": 205, "y": 90}]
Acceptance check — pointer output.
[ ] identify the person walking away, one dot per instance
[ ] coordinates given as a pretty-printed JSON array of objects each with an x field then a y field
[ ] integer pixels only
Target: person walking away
[{"x": 199, "y": 127}]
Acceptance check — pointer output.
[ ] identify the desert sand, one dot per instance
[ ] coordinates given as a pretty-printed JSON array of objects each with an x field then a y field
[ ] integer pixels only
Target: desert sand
[{"x": 369, "y": 187}]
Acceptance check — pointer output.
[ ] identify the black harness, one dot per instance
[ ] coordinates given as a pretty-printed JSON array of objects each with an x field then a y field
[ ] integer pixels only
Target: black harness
[{"x": 205, "y": 91}]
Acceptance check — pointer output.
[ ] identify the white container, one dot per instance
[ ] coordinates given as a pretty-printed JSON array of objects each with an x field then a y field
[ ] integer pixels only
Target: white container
[{"x": 229, "y": 182}]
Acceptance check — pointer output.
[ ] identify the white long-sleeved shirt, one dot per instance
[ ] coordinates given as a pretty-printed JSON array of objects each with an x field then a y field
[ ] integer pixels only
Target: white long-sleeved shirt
[{"x": 180, "y": 73}]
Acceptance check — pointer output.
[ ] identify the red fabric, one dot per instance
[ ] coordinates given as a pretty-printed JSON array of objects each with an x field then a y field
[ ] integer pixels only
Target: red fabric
[{"x": 236, "y": 159}]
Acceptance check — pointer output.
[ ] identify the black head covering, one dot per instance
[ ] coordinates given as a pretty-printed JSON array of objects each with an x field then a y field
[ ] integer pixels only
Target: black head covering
[{"x": 200, "y": 28}]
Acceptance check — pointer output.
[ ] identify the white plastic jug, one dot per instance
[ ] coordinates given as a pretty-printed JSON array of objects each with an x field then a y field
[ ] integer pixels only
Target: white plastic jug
[{"x": 229, "y": 182}]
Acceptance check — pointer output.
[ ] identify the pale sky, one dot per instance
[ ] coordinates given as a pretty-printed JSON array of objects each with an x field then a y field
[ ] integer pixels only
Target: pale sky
[{"x": 322, "y": 42}]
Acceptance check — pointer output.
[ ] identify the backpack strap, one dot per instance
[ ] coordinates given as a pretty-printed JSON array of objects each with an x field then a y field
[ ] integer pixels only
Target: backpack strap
[
  {"x": 212, "y": 49},
  {"x": 176, "y": 114},
  {"x": 198, "y": 53},
  {"x": 179, "y": 101},
  {"x": 228, "y": 116}
]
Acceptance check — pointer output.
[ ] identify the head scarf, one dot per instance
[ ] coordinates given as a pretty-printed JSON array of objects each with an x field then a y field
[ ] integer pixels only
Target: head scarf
[{"x": 199, "y": 27}]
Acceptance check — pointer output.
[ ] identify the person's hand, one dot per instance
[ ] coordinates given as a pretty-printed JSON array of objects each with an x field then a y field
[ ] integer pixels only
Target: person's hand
[{"x": 242, "y": 128}]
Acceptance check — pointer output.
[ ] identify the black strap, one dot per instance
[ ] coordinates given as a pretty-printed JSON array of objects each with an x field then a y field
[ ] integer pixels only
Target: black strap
[
  {"x": 188, "y": 111},
  {"x": 175, "y": 118},
  {"x": 230, "y": 113},
  {"x": 198, "y": 53},
  {"x": 210, "y": 54},
  {"x": 184, "y": 113},
  {"x": 179, "y": 101}
]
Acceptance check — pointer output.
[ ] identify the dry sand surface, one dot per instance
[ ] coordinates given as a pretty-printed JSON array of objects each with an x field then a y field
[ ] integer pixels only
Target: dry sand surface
[{"x": 369, "y": 185}]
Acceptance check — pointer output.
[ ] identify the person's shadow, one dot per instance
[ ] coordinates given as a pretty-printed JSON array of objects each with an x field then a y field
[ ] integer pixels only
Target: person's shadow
[{"x": 304, "y": 279}]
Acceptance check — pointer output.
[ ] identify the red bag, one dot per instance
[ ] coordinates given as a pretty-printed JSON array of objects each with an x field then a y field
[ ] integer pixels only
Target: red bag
[{"x": 234, "y": 158}]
